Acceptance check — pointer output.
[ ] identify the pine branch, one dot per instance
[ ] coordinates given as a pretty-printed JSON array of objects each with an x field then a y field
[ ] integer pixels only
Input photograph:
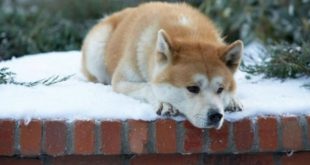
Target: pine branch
[
  {"x": 285, "y": 61},
  {"x": 8, "y": 77}
]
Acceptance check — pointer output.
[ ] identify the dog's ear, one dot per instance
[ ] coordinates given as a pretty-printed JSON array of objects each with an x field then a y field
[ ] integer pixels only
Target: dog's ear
[
  {"x": 163, "y": 47},
  {"x": 232, "y": 55}
]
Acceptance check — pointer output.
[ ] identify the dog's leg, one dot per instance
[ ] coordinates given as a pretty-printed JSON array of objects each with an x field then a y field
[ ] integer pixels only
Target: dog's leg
[
  {"x": 143, "y": 91},
  {"x": 234, "y": 105},
  {"x": 130, "y": 83}
]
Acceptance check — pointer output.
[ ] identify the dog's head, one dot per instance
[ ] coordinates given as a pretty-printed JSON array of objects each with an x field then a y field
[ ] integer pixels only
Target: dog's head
[{"x": 196, "y": 77}]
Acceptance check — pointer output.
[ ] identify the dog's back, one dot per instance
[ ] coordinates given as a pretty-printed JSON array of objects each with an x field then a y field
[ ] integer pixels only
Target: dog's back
[{"x": 130, "y": 35}]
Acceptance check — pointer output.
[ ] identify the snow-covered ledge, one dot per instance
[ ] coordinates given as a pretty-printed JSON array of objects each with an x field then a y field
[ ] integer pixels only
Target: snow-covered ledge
[{"x": 78, "y": 121}]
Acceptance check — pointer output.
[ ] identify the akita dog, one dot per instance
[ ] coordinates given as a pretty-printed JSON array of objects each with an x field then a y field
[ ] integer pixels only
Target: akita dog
[{"x": 168, "y": 55}]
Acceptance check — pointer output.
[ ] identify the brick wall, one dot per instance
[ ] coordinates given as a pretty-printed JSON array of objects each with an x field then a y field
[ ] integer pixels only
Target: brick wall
[{"x": 271, "y": 139}]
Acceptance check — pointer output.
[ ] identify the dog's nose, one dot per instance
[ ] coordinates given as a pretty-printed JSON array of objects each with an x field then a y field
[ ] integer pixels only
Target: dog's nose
[{"x": 214, "y": 117}]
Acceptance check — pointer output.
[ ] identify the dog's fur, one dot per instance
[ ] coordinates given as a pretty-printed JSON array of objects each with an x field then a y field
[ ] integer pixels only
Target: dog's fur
[{"x": 156, "y": 51}]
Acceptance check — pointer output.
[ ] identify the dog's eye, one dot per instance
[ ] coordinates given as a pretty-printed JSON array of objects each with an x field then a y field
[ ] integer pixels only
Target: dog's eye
[
  {"x": 219, "y": 90},
  {"x": 193, "y": 89}
]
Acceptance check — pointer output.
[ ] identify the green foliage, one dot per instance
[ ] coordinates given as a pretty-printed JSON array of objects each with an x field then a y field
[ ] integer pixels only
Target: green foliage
[
  {"x": 270, "y": 21},
  {"x": 33, "y": 33},
  {"x": 284, "y": 61},
  {"x": 35, "y": 26},
  {"x": 8, "y": 77},
  {"x": 284, "y": 24}
]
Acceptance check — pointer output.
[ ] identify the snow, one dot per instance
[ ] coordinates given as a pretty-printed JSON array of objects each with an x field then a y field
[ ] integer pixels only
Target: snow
[
  {"x": 77, "y": 98},
  {"x": 254, "y": 53},
  {"x": 73, "y": 99}
]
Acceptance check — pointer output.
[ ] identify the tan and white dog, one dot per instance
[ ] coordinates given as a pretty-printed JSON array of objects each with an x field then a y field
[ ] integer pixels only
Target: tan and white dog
[{"x": 168, "y": 55}]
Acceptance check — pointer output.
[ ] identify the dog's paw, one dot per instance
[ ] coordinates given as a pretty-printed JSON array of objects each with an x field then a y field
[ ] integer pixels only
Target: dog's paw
[
  {"x": 166, "y": 109},
  {"x": 234, "y": 106}
]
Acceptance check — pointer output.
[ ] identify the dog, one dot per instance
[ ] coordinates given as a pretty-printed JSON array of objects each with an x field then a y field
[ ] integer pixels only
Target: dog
[{"x": 169, "y": 55}]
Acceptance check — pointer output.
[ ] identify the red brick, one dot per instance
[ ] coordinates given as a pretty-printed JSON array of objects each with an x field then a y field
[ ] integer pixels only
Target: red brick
[
  {"x": 243, "y": 135},
  {"x": 18, "y": 161},
  {"x": 30, "y": 138},
  {"x": 111, "y": 137},
  {"x": 166, "y": 159},
  {"x": 308, "y": 123},
  {"x": 166, "y": 138},
  {"x": 55, "y": 137},
  {"x": 291, "y": 133},
  {"x": 7, "y": 132},
  {"x": 87, "y": 160},
  {"x": 299, "y": 158},
  {"x": 219, "y": 138},
  {"x": 267, "y": 133},
  {"x": 84, "y": 137},
  {"x": 193, "y": 138},
  {"x": 240, "y": 159},
  {"x": 138, "y": 136}
]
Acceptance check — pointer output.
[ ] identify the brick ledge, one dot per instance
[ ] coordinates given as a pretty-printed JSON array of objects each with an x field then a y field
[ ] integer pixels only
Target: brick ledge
[
  {"x": 273, "y": 134},
  {"x": 299, "y": 158}
]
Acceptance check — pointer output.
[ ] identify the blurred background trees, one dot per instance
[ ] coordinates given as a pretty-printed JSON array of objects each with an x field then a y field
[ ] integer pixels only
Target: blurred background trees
[
  {"x": 283, "y": 26},
  {"x": 269, "y": 21},
  {"x": 32, "y": 26}
]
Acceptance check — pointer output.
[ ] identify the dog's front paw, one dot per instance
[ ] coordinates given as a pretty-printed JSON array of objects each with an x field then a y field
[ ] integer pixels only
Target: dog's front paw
[
  {"x": 234, "y": 106},
  {"x": 166, "y": 109}
]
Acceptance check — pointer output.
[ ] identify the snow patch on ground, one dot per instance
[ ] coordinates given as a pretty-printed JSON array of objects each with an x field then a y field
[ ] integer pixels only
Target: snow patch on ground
[
  {"x": 254, "y": 53},
  {"x": 79, "y": 99}
]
